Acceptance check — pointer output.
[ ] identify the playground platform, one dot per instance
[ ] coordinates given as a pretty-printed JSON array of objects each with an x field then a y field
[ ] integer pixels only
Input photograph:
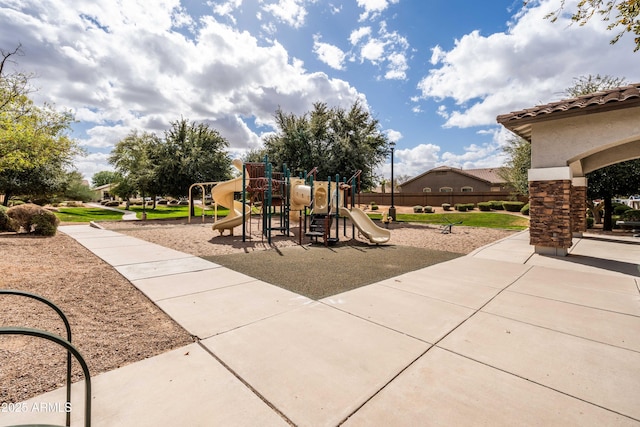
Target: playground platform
[{"x": 501, "y": 336}]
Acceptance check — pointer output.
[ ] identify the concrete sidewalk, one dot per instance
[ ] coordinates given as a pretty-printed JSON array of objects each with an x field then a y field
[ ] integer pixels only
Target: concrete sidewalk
[{"x": 499, "y": 337}]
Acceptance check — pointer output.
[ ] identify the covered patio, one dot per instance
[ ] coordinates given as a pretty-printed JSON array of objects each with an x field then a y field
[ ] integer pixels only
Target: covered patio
[{"x": 569, "y": 139}]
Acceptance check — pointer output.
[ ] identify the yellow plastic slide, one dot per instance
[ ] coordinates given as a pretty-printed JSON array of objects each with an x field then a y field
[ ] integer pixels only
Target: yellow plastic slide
[
  {"x": 222, "y": 194},
  {"x": 366, "y": 226}
]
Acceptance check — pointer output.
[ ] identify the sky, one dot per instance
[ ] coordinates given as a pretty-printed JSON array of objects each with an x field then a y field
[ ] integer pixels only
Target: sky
[{"x": 434, "y": 73}]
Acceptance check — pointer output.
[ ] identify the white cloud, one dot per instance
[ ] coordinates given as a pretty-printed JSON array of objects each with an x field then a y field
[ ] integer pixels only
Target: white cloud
[
  {"x": 385, "y": 47},
  {"x": 226, "y": 8},
  {"x": 291, "y": 12},
  {"x": 393, "y": 135},
  {"x": 373, "y": 50},
  {"x": 359, "y": 34},
  {"x": 331, "y": 55},
  {"x": 122, "y": 70},
  {"x": 373, "y": 8},
  {"x": 531, "y": 63}
]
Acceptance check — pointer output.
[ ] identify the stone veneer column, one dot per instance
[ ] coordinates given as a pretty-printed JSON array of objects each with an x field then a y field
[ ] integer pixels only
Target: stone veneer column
[
  {"x": 550, "y": 229},
  {"x": 579, "y": 206}
]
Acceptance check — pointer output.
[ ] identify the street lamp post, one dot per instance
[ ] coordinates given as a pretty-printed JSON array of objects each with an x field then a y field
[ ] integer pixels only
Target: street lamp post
[{"x": 392, "y": 209}]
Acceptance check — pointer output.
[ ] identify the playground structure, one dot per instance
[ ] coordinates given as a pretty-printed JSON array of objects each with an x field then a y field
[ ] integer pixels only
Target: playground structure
[{"x": 317, "y": 206}]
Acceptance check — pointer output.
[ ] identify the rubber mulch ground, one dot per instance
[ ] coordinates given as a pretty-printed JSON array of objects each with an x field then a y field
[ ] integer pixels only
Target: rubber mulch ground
[{"x": 318, "y": 272}]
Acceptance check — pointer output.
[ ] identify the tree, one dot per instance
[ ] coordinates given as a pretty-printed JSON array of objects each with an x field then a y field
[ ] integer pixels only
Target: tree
[
  {"x": 35, "y": 148},
  {"x": 515, "y": 171},
  {"x": 585, "y": 85},
  {"x": 132, "y": 159},
  {"x": 626, "y": 11},
  {"x": 335, "y": 140},
  {"x": 615, "y": 180},
  {"x": 105, "y": 177},
  {"x": 75, "y": 188},
  {"x": 189, "y": 153}
]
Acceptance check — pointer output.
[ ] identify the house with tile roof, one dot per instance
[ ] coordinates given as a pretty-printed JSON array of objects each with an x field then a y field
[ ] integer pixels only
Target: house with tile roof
[{"x": 447, "y": 179}]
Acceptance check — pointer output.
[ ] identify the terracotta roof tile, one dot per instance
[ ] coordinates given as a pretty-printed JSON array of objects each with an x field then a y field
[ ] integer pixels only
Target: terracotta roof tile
[{"x": 613, "y": 98}]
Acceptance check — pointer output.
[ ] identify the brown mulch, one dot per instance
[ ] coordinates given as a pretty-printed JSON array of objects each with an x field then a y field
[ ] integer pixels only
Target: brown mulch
[{"x": 113, "y": 324}]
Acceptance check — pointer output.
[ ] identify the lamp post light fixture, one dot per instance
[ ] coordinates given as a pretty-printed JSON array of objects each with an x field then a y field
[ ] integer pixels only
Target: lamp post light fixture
[{"x": 392, "y": 209}]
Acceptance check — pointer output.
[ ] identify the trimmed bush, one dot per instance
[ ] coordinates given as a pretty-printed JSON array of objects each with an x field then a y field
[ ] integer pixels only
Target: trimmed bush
[
  {"x": 496, "y": 205},
  {"x": 460, "y": 207},
  {"x": 484, "y": 206},
  {"x": 34, "y": 219},
  {"x": 512, "y": 206},
  {"x": 446, "y": 206},
  {"x": 374, "y": 206},
  {"x": 428, "y": 209},
  {"x": 631, "y": 215},
  {"x": 525, "y": 210},
  {"x": 6, "y": 222},
  {"x": 45, "y": 223},
  {"x": 590, "y": 222},
  {"x": 112, "y": 203},
  {"x": 470, "y": 206},
  {"x": 619, "y": 209},
  {"x": 417, "y": 209}
]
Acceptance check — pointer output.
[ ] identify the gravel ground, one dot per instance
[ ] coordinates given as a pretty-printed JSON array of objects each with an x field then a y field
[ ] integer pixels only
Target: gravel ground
[{"x": 114, "y": 324}]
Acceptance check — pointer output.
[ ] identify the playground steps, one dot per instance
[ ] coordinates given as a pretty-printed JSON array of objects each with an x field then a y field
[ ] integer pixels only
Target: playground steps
[{"x": 317, "y": 226}]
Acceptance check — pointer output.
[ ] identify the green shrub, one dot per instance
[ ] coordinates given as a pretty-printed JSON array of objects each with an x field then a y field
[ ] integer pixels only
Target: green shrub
[
  {"x": 496, "y": 205},
  {"x": 6, "y": 222},
  {"x": 460, "y": 207},
  {"x": 428, "y": 209},
  {"x": 525, "y": 210},
  {"x": 112, "y": 203},
  {"x": 45, "y": 223},
  {"x": 512, "y": 206},
  {"x": 484, "y": 206},
  {"x": 590, "y": 222},
  {"x": 374, "y": 206},
  {"x": 470, "y": 206},
  {"x": 33, "y": 219},
  {"x": 631, "y": 215},
  {"x": 417, "y": 209},
  {"x": 619, "y": 209},
  {"x": 446, "y": 206}
]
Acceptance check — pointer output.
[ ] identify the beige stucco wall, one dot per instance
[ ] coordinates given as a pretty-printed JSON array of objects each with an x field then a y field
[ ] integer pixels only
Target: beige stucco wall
[{"x": 562, "y": 142}]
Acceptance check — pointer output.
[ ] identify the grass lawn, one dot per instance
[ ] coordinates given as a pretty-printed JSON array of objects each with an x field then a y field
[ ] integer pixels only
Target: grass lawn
[
  {"x": 471, "y": 219},
  {"x": 174, "y": 212},
  {"x": 87, "y": 215},
  {"x": 160, "y": 212}
]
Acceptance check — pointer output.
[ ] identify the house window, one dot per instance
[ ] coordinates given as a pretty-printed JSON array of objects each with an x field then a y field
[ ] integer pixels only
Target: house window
[
  {"x": 446, "y": 189},
  {"x": 466, "y": 189},
  {"x": 426, "y": 190}
]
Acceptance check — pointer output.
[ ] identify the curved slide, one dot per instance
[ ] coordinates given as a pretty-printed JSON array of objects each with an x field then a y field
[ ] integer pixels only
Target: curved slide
[
  {"x": 366, "y": 226},
  {"x": 222, "y": 194}
]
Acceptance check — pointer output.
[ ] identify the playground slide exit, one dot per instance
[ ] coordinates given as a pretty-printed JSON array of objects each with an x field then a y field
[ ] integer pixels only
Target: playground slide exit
[
  {"x": 223, "y": 194},
  {"x": 366, "y": 226}
]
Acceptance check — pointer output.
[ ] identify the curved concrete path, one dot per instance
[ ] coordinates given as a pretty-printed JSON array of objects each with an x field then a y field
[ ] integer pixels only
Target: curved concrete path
[
  {"x": 127, "y": 215},
  {"x": 498, "y": 337}
]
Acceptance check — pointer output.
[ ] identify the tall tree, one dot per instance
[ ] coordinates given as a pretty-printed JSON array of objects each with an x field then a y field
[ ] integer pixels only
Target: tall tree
[
  {"x": 132, "y": 159},
  {"x": 190, "y": 152},
  {"x": 104, "y": 178},
  {"x": 626, "y": 15},
  {"x": 335, "y": 140},
  {"x": 621, "y": 179},
  {"x": 35, "y": 147},
  {"x": 515, "y": 171}
]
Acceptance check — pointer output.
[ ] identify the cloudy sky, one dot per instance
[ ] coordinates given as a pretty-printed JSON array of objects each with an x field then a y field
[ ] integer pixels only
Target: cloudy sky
[{"x": 435, "y": 73}]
